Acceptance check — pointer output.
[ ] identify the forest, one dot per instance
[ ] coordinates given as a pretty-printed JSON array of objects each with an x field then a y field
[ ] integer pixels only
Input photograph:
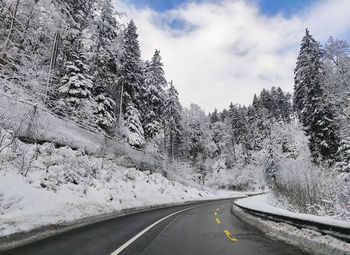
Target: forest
[{"x": 79, "y": 61}]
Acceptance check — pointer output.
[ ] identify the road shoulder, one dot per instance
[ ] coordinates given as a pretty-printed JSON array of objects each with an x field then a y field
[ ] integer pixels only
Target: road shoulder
[{"x": 306, "y": 239}]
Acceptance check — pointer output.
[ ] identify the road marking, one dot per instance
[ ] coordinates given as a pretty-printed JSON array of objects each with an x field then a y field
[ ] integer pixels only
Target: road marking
[
  {"x": 215, "y": 213},
  {"x": 218, "y": 221},
  {"x": 230, "y": 236},
  {"x": 217, "y": 209},
  {"x": 125, "y": 245}
]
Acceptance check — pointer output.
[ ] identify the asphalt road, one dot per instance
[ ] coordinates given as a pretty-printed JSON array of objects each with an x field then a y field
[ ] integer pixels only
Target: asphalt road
[{"x": 209, "y": 228}]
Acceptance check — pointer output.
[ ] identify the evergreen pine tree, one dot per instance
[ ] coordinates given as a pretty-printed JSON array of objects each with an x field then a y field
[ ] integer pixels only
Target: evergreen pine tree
[
  {"x": 214, "y": 117},
  {"x": 104, "y": 110},
  {"x": 172, "y": 117},
  {"x": 271, "y": 166},
  {"x": 104, "y": 53},
  {"x": 131, "y": 83},
  {"x": 256, "y": 101},
  {"x": 283, "y": 103},
  {"x": 76, "y": 83},
  {"x": 223, "y": 115},
  {"x": 130, "y": 73},
  {"x": 133, "y": 128},
  {"x": 314, "y": 112},
  {"x": 77, "y": 15},
  {"x": 308, "y": 78},
  {"x": 344, "y": 156},
  {"x": 75, "y": 89},
  {"x": 155, "y": 95}
]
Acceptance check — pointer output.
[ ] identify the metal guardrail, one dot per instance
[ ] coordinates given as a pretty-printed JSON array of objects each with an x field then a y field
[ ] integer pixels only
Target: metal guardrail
[{"x": 326, "y": 229}]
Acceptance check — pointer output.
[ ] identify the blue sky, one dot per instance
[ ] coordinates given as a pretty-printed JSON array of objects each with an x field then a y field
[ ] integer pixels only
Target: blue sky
[
  {"x": 288, "y": 7},
  {"x": 158, "y": 5},
  {"x": 202, "y": 45},
  {"x": 268, "y": 7}
]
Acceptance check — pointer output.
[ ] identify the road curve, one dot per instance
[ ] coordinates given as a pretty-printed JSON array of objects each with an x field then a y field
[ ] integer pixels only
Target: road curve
[{"x": 209, "y": 228}]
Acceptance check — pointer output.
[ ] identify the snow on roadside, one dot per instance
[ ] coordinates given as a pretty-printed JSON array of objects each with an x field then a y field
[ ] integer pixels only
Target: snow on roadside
[
  {"x": 262, "y": 203},
  {"x": 311, "y": 241},
  {"x": 48, "y": 185}
]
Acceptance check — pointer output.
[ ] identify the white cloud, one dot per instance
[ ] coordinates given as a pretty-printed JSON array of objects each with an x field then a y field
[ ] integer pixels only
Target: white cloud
[{"x": 228, "y": 50}]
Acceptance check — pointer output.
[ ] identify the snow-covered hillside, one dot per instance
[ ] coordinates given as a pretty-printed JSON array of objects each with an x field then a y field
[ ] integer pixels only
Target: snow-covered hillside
[{"x": 41, "y": 184}]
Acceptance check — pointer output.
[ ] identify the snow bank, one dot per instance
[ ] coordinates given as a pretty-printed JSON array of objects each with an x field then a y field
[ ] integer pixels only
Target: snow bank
[
  {"x": 261, "y": 203},
  {"x": 24, "y": 205},
  {"x": 46, "y": 185},
  {"x": 309, "y": 240}
]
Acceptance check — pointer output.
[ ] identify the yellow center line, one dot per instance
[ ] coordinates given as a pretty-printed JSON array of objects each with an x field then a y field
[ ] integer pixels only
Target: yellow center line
[
  {"x": 218, "y": 221},
  {"x": 217, "y": 209},
  {"x": 230, "y": 236},
  {"x": 215, "y": 213}
]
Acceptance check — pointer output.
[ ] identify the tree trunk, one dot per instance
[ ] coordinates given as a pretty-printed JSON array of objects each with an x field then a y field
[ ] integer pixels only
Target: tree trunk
[
  {"x": 25, "y": 34},
  {"x": 171, "y": 146},
  {"x": 233, "y": 141},
  {"x": 53, "y": 60},
  {"x": 164, "y": 140},
  {"x": 9, "y": 37},
  {"x": 245, "y": 152},
  {"x": 121, "y": 108}
]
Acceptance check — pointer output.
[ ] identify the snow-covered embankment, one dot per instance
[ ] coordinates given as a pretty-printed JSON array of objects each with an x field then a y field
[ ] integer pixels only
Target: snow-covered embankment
[
  {"x": 305, "y": 238},
  {"x": 45, "y": 190}
]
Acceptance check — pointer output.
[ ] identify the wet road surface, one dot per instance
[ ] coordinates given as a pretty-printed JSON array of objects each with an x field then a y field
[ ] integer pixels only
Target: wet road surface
[{"x": 207, "y": 228}]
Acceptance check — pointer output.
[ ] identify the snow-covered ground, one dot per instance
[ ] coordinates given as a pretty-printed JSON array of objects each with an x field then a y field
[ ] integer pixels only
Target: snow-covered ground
[
  {"x": 309, "y": 240},
  {"x": 42, "y": 185},
  {"x": 263, "y": 203}
]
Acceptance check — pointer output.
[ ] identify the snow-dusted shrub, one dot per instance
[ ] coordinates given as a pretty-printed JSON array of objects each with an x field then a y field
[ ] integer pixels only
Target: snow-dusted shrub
[
  {"x": 182, "y": 172},
  {"x": 249, "y": 178},
  {"x": 6, "y": 140},
  {"x": 240, "y": 178},
  {"x": 25, "y": 158},
  {"x": 343, "y": 195},
  {"x": 306, "y": 188}
]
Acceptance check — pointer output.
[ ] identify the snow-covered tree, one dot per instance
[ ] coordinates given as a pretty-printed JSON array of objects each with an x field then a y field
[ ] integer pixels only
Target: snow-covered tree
[
  {"x": 76, "y": 18},
  {"x": 337, "y": 62},
  {"x": 271, "y": 165},
  {"x": 104, "y": 51},
  {"x": 155, "y": 95},
  {"x": 315, "y": 113},
  {"x": 336, "y": 51},
  {"x": 214, "y": 117},
  {"x": 344, "y": 153},
  {"x": 172, "y": 121},
  {"x": 131, "y": 83},
  {"x": 104, "y": 110},
  {"x": 133, "y": 130},
  {"x": 197, "y": 144},
  {"x": 130, "y": 73},
  {"x": 75, "y": 89},
  {"x": 26, "y": 48},
  {"x": 283, "y": 104},
  {"x": 197, "y": 140},
  {"x": 9, "y": 16}
]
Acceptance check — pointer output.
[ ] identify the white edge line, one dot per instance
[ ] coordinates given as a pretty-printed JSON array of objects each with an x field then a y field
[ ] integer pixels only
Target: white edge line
[{"x": 125, "y": 245}]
